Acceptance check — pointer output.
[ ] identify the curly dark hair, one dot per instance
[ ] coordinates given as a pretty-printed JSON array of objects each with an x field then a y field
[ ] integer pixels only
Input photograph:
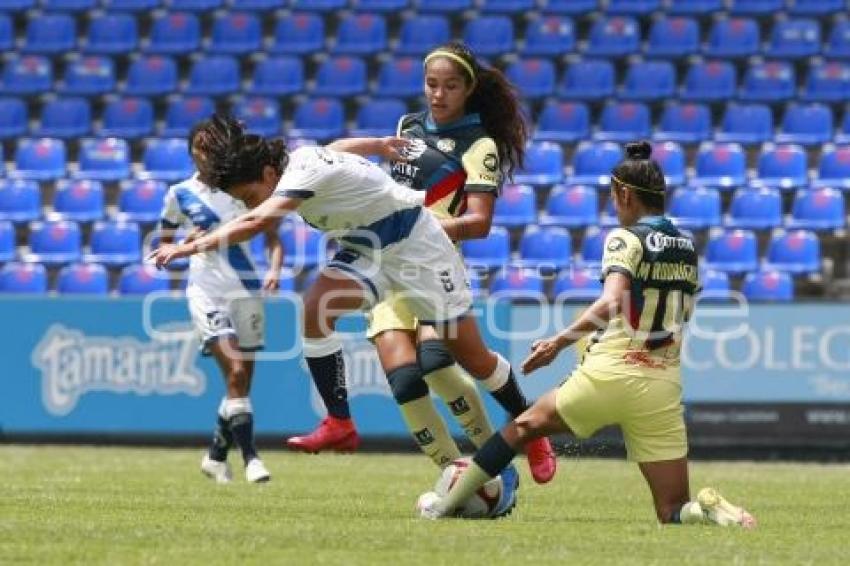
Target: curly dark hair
[
  {"x": 498, "y": 103},
  {"x": 638, "y": 170}
]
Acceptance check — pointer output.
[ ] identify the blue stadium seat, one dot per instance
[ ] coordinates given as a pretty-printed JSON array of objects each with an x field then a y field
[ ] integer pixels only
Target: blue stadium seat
[
  {"x": 806, "y": 124},
  {"x": 755, "y": 7},
  {"x": 29, "y": 74},
  {"x": 42, "y": 159},
  {"x": 303, "y": 245},
  {"x": 592, "y": 163},
  {"x": 613, "y": 36},
  {"x": 400, "y": 76},
  {"x": 140, "y": 200},
  {"x": 278, "y": 76},
  {"x": 50, "y": 34},
  {"x": 318, "y": 5},
  {"x": 166, "y": 160},
  {"x": 833, "y": 168},
  {"x": 733, "y": 37},
  {"x": 838, "y": 44},
  {"x": 544, "y": 164},
  {"x": 14, "y": 118},
  {"x": 591, "y": 248},
  {"x": 259, "y": 253},
  {"x": 182, "y": 113},
  {"x": 65, "y": 118},
  {"x": 746, "y": 124},
  {"x": 378, "y": 6},
  {"x": 445, "y": 6},
  {"x": 54, "y": 242},
  {"x": 535, "y": 78},
  {"x": 815, "y": 7},
  {"x": 571, "y": 206},
  {"x": 13, "y": 5},
  {"x": 78, "y": 200},
  {"x": 755, "y": 209},
  {"x": 827, "y": 82},
  {"x": 142, "y": 279},
  {"x": 794, "y": 39},
  {"x": 563, "y": 122},
  {"x": 83, "y": 279},
  {"x": 422, "y": 33},
  {"x": 378, "y": 117},
  {"x": 299, "y": 34},
  {"x": 490, "y": 35},
  {"x": 633, "y": 7},
  {"x": 8, "y": 250},
  {"x": 195, "y": 5},
  {"x": 490, "y": 252},
  {"x": 684, "y": 122},
  {"x": 782, "y": 166},
  {"x": 624, "y": 121},
  {"x": 130, "y": 5},
  {"x": 23, "y": 278},
  {"x": 257, "y": 5},
  {"x": 214, "y": 75},
  {"x": 260, "y": 115},
  {"x": 516, "y": 206},
  {"x": 7, "y": 32},
  {"x": 115, "y": 243},
  {"x": 795, "y": 251},
  {"x": 515, "y": 7},
  {"x": 671, "y": 157},
  {"x": 673, "y": 37},
  {"x": 722, "y": 165},
  {"x": 20, "y": 200},
  {"x": 546, "y": 248},
  {"x": 112, "y": 33},
  {"x": 608, "y": 218},
  {"x": 766, "y": 82},
  {"x": 319, "y": 118},
  {"x": 649, "y": 80},
  {"x": 577, "y": 284},
  {"x": 129, "y": 117},
  {"x": 341, "y": 76},
  {"x": 715, "y": 285},
  {"x": 361, "y": 34},
  {"x": 587, "y": 80},
  {"x": 515, "y": 283},
  {"x": 151, "y": 75},
  {"x": 106, "y": 159},
  {"x": 843, "y": 134},
  {"x": 577, "y": 7},
  {"x": 695, "y": 208},
  {"x": 733, "y": 251},
  {"x": 818, "y": 209},
  {"x": 236, "y": 33},
  {"x": 695, "y": 7},
  {"x": 174, "y": 33},
  {"x": 91, "y": 75},
  {"x": 768, "y": 286},
  {"x": 549, "y": 35},
  {"x": 709, "y": 82}
]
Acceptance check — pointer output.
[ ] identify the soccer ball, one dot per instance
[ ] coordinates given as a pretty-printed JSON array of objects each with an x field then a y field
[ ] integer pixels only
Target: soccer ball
[{"x": 483, "y": 503}]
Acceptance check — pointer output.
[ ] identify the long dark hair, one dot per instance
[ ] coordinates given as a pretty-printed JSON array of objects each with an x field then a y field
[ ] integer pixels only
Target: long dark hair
[
  {"x": 497, "y": 101},
  {"x": 643, "y": 174}
]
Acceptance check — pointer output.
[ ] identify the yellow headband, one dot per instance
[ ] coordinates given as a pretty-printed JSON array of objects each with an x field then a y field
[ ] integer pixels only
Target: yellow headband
[
  {"x": 454, "y": 57},
  {"x": 635, "y": 187}
]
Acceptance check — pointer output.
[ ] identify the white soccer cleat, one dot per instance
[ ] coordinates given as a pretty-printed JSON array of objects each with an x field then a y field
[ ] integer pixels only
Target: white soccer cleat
[
  {"x": 720, "y": 512},
  {"x": 256, "y": 472},
  {"x": 213, "y": 469},
  {"x": 428, "y": 506}
]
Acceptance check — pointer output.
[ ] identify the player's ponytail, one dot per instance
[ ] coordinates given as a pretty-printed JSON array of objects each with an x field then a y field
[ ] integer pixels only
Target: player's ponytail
[
  {"x": 278, "y": 154},
  {"x": 642, "y": 174}
]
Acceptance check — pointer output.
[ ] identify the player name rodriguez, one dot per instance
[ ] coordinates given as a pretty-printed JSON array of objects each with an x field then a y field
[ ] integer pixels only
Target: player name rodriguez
[
  {"x": 73, "y": 364},
  {"x": 663, "y": 271}
]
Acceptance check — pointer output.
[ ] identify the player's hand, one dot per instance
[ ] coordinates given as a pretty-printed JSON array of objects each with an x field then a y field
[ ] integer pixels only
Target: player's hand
[
  {"x": 167, "y": 253},
  {"x": 393, "y": 148},
  {"x": 271, "y": 282},
  {"x": 543, "y": 353}
]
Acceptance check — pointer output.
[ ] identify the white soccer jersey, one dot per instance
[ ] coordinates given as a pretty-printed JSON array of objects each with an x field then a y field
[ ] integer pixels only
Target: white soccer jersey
[
  {"x": 347, "y": 194},
  {"x": 193, "y": 204}
]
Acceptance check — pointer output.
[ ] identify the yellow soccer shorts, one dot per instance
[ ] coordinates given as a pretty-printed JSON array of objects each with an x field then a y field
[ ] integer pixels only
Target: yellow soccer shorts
[
  {"x": 390, "y": 314},
  {"x": 649, "y": 412}
]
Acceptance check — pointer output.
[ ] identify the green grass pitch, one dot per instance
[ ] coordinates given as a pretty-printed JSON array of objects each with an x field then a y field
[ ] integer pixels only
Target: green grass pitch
[{"x": 61, "y": 505}]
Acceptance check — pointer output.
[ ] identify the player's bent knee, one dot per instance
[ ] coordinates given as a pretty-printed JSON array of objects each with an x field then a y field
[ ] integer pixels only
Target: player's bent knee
[
  {"x": 407, "y": 384},
  {"x": 433, "y": 356}
]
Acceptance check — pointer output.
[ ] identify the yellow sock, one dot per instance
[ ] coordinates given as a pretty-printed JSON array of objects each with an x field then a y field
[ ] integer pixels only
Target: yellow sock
[
  {"x": 459, "y": 392},
  {"x": 429, "y": 431},
  {"x": 469, "y": 482}
]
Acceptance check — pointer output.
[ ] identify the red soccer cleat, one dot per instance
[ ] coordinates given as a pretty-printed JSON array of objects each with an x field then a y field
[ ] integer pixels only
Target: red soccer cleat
[
  {"x": 332, "y": 434},
  {"x": 541, "y": 460}
]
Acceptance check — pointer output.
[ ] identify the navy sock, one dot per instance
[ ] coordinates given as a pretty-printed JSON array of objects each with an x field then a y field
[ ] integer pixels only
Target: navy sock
[
  {"x": 222, "y": 440},
  {"x": 242, "y": 427},
  {"x": 495, "y": 455},
  {"x": 329, "y": 376},
  {"x": 511, "y": 397}
]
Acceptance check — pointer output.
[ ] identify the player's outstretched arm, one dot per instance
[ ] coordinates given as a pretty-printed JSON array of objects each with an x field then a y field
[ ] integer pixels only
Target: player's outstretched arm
[
  {"x": 596, "y": 316},
  {"x": 243, "y": 228},
  {"x": 271, "y": 282},
  {"x": 390, "y": 148}
]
